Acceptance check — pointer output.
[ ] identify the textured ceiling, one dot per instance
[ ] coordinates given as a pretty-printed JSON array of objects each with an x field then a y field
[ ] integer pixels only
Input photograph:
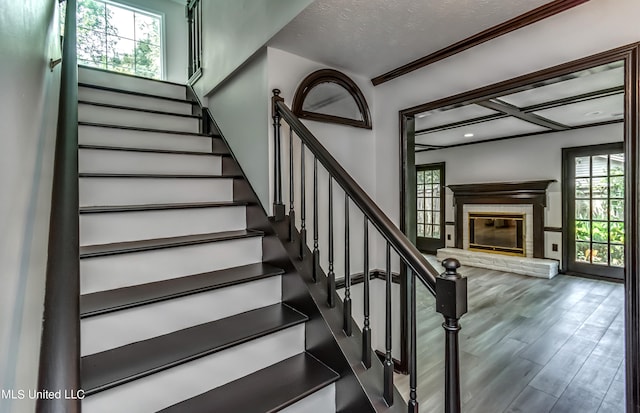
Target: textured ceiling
[{"x": 371, "y": 37}]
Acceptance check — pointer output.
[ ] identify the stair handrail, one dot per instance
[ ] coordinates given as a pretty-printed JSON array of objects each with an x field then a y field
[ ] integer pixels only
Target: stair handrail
[
  {"x": 400, "y": 243},
  {"x": 59, "y": 365},
  {"x": 448, "y": 288}
]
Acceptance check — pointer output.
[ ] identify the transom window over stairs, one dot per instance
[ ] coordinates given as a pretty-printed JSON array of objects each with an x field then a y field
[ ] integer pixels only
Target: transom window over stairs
[{"x": 120, "y": 38}]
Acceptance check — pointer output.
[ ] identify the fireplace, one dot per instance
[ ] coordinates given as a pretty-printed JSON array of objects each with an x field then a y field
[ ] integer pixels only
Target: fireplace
[
  {"x": 527, "y": 198},
  {"x": 497, "y": 232}
]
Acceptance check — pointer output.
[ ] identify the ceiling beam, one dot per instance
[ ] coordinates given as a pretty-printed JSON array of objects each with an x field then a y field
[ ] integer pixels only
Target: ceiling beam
[
  {"x": 530, "y": 17},
  {"x": 461, "y": 123},
  {"x": 507, "y": 109},
  {"x": 596, "y": 94}
]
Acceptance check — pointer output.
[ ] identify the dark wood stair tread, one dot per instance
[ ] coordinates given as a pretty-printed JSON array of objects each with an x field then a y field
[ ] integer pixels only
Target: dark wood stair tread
[
  {"x": 134, "y": 93},
  {"x": 149, "y": 150},
  {"x": 111, "y": 72},
  {"x": 159, "y": 207},
  {"x": 268, "y": 390},
  {"x": 177, "y": 176},
  {"x": 151, "y": 130},
  {"x": 110, "y": 368},
  {"x": 155, "y": 112},
  {"x": 113, "y": 300},
  {"x": 100, "y": 250}
]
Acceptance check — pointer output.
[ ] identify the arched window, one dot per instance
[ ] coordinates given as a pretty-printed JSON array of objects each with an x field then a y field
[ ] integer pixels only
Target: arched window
[{"x": 330, "y": 96}]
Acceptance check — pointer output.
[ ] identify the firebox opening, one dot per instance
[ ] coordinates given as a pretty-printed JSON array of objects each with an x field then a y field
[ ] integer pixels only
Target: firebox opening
[{"x": 497, "y": 232}]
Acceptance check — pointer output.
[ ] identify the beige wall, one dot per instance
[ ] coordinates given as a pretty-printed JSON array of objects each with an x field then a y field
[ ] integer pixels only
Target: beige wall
[{"x": 28, "y": 112}]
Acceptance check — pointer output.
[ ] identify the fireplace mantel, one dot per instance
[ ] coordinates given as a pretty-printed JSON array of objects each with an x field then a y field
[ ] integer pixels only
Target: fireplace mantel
[{"x": 526, "y": 192}]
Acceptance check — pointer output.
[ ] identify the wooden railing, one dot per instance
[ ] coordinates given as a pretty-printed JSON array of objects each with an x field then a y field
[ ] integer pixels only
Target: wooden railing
[
  {"x": 449, "y": 288},
  {"x": 59, "y": 368}
]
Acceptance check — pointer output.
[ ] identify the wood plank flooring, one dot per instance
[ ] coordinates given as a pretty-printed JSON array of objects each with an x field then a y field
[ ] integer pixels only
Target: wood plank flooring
[{"x": 527, "y": 345}]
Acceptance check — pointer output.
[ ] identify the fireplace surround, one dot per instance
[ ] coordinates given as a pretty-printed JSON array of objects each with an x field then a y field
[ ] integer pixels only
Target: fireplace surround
[{"x": 528, "y": 197}]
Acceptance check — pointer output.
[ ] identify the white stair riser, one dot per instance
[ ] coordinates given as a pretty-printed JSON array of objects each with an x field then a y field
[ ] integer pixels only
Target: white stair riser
[
  {"x": 115, "y": 161},
  {"x": 120, "y": 328},
  {"x": 322, "y": 401},
  {"x": 105, "y": 228},
  {"x": 135, "y": 84},
  {"x": 125, "y": 117},
  {"x": 133, "y": 191},
  {"x": 140, "y": 102},
  {"x": 161, "y": 390},
  {"x": 93, "y": 135},
  {"x": 124, "y": 270}
]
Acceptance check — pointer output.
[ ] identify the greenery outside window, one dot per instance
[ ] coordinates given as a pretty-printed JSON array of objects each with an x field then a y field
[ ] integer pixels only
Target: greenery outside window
[{"x": 119, "y": 38}]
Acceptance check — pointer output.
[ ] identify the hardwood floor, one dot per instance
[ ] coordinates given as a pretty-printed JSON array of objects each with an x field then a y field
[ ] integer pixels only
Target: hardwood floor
[{"x": 528, "y": 345}]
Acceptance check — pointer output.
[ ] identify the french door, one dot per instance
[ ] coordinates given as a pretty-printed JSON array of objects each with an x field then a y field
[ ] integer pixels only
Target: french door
[
  {"x": 430, "y": 207},
  {"x": 594, "y": 190}
]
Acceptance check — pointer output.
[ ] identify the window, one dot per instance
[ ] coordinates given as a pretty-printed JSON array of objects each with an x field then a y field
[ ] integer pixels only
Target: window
[
  {"x": 430, "y": 207},
  {"x": 596, "y": 210},
  {"x": 330, "y": 96},
  {"x": 119, "y": 38}
]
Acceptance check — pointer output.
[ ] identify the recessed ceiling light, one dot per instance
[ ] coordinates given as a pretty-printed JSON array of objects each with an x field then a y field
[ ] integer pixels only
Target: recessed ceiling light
[
  {"x": 468, "y": 135},
  {"x": 594, "y": 113},
  {"x": 422, "y": 115}
]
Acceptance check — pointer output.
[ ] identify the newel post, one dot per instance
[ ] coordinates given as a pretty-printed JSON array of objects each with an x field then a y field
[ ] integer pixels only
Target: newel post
[
  {"x": 451, "y": 302},
  {"x": 278, "y": 206}
]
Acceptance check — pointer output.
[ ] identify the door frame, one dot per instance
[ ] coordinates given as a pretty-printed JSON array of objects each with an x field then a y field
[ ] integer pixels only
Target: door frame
[
  {"x": 630, "y": 54},
  {"x": 430, "y": 245},
  {"x": 568, "y": 224}
]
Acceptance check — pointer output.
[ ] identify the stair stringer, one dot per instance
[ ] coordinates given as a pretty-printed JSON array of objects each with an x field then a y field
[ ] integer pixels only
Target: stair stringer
[{"x": 358, "y": 390}]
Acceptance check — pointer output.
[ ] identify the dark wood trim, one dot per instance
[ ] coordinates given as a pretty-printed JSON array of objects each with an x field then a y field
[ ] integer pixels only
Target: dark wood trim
[
  {"x": 632, "y": 237},
  {"x": 331, "y": 76},
  {"x": 617, "y": 90},
  {"x": 524, "y": 135},
  {"x": 135, "y": 128},
  {"x": 397, "y": 364},
  {"x": 460, "y": 123},
  {"x": 523, "y": 20},
  {"x": 523, "y": 82},
  {"x": 516, "y": 112},
  {"x": 59, "y": 363},
  {"x": 155, "y": 112},
  {"x": 134, "y": 93},
  {"x": 530, "y": 193},
  {"x": 373, "y": 275},
  {"x": 553, "y": 229}
]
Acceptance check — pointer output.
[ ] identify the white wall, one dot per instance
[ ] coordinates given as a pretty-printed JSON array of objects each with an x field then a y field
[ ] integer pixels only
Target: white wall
[
  {"x": 176, "y": 38},
  {"x": 523, "y": 159},
  {"x": 28, "y": 113},
  {"x": 590, "y": 28},
  {"x": 241, "y": 109},
  {"x": 234, "y": 30}
]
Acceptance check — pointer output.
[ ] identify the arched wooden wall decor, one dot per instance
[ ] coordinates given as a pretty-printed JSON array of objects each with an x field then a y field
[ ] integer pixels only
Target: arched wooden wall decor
[{"x": 327, "y": 77}]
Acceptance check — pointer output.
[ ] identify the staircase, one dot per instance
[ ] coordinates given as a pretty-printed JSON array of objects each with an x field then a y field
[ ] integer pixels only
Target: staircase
[{"x": 179, "y": 312}]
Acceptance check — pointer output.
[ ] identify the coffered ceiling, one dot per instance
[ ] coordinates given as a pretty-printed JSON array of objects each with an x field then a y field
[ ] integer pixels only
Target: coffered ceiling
[{"x": 581, "y": 99}]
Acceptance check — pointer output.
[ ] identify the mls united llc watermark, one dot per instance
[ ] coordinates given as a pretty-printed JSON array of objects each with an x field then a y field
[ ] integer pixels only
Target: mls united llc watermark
[{"x": 42, "y": 394}]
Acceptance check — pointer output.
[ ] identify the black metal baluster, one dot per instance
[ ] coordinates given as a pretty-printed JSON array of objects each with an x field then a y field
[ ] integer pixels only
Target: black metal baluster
[
  {"x": 366, "y": 331},
  {"x": 278, "y": 206},
  {"x": 451, "y": 302},
  {"x": 346, "y": 325},
  {"x": 303, "y": 205},
  {"x": 316, "y": 251},
  {"x": 388, "y": 362},
  {"x": 413, "y": 357},
  {"x": 292, "y": 212},
  {"x": 331, "y": 277}
]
